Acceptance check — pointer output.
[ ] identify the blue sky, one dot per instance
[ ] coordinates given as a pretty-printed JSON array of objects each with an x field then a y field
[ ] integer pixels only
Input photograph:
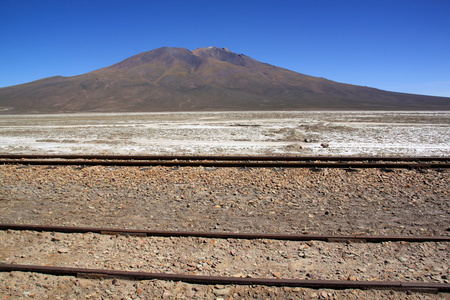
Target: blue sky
[{"x": 395, "y": 45}]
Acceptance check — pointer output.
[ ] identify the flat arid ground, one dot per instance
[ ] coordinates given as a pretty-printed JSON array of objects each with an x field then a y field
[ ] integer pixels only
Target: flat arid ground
[
  {"x": 247, "y": 200},
  {"x": 257, "y": 133}
]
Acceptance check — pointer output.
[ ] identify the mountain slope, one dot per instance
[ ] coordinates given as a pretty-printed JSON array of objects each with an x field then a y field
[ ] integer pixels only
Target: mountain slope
[{"x": 206, "y": 79}]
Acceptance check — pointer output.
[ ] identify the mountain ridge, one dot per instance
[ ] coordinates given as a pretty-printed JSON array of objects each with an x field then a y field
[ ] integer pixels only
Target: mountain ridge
[{"x": 204, "y": 79}]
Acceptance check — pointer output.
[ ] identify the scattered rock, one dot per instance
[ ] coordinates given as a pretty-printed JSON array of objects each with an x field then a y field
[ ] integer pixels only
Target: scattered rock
[
  {"x": 294, "y": 147},
  {"x": 277, "y": 274},
  {"x": 166, "y": 294},
  {"x": 222, "y": 291},
  {"x": 295, "y": 201},
  {"x": 115, "y": 282}
]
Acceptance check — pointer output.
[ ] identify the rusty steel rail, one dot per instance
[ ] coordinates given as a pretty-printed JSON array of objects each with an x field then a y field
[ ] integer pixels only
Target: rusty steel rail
[
  {"x": 224, "y": 157},
  {"x": 225, "y": 164},
  {"x": 227, "y": 235},
  {"x": 231, "y": 161},
  {"x": 199, "y": 279}
]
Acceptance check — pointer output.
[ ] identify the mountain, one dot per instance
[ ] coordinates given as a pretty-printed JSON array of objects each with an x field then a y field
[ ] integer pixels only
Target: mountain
[{"x": 205, "y": 79}]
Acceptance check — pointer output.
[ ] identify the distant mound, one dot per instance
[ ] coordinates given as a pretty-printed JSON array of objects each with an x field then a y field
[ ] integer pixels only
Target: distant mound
[{"x": 206, "y": 79}]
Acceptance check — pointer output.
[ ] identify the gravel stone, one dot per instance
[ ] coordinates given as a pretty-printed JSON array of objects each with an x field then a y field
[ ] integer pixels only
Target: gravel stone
[{"x": 298, "y": 201}]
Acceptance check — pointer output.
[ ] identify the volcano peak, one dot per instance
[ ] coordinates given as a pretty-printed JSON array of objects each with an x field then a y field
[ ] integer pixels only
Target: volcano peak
[{"x": 204, "y": 79}]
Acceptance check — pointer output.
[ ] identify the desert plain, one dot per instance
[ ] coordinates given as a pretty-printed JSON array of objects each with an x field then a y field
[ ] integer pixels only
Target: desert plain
[{"x": 229, "y": 133}]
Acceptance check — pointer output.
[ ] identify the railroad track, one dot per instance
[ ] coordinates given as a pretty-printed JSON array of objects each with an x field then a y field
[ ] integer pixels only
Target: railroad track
[
  {"x": 228, "y": 235},
  {"x": 212, "y": 280},
  {"x": 438, "y": 163},
  {"x": 233, "y": 161},
  {"x": 226, "y": 280}
]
